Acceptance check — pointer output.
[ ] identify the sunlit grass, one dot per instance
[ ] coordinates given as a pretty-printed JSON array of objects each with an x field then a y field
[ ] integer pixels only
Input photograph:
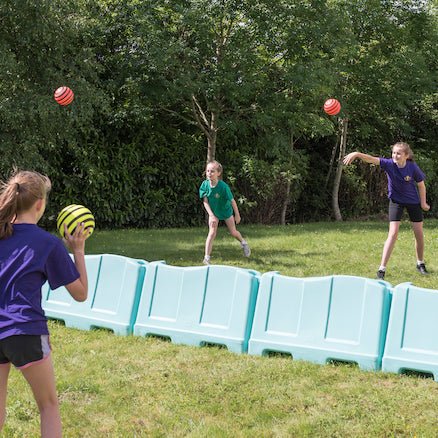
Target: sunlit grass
[
  {"x": 133, "y": 386},
  {"x": 111, "y": 386},
  {"x": 348, "y": 248}
]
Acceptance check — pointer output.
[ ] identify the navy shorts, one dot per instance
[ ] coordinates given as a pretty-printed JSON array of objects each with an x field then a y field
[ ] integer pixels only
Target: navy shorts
[
  {"x": 395, "y": 211},
  {"x": 24, "y": 350}
]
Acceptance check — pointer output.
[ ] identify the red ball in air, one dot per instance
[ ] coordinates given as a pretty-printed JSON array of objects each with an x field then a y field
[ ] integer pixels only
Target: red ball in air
[
  {"x": 64, "y": 96},
  {"x": 332, "y": 107}
]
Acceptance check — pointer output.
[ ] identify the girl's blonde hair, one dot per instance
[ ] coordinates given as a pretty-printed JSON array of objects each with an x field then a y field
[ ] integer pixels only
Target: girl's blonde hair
[
  {"x": 405, "y": 148},
  {"x": 18, "y": 195},
  {"x": 218, "y": 167}
]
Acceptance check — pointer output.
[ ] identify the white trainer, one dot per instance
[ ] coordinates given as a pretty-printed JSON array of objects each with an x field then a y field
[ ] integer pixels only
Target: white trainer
[{"x": 246, "y": 249}]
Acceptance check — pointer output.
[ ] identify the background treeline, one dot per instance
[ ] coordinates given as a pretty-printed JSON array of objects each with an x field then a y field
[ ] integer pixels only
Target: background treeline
[{"x": 160, "y": 86}]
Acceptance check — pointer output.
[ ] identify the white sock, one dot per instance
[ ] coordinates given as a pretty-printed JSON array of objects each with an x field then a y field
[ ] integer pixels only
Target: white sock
[
  {"x": 419, "y": 262},
  {"x": 206, "y": 257},
  {"x": 243, "y": 242},
  {"x": 382, "y": 268}
]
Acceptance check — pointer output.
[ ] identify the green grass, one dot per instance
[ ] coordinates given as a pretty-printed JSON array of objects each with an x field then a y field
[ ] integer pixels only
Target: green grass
[
  {"x": 112, "y": 386},
  {"x": 349, "y": 248}
]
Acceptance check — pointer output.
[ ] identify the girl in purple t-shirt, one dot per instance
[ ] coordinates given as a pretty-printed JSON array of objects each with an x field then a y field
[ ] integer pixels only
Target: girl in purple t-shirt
[
  {"x": 406, "y": 189},
  {"x": 30, "y": 256}
]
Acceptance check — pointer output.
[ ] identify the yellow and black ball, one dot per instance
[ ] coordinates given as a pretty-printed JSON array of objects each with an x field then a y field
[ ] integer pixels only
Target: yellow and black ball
[{"x": 73, "y": 215}]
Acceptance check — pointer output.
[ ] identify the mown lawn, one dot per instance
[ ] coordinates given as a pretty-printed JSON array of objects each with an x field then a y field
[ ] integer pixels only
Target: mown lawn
[
  {"x": 315, "y": 249},
  {"x": 112, "y": 386}
]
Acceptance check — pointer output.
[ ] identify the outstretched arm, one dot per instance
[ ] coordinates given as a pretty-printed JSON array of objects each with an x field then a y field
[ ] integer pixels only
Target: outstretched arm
[{"x": 348, "y": 159}]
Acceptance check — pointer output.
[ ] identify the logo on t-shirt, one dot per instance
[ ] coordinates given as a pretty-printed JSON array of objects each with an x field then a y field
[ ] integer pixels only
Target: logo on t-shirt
[
  {"x": 217, "y": 196},
  {"x": 407, "y": 178}
]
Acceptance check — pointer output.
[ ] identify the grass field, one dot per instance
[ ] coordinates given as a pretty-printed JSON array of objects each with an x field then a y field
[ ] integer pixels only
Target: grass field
[{"x": 112, "y": 386}]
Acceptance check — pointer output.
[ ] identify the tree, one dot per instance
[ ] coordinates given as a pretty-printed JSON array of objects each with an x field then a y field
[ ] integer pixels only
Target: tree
[
  {"x": 210, "y": 62},
  {"x": 380, "y": 75},
  {"x": 41, "y": 49},
  {"x": 256, "y": 68}
]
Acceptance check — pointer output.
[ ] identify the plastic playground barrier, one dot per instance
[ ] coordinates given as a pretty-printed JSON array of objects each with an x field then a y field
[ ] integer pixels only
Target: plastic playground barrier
[
  {"x": 412, "y": 338},
  {"x": 114, "y": 287},
  {"x": 198, "y": 305},
  {"x": 322, "y": 319}
]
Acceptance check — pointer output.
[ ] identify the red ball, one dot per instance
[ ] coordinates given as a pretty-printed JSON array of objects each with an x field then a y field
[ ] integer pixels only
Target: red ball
[
  {"x": 332, "y": 107},
  {"x": 64, "y": 96}
]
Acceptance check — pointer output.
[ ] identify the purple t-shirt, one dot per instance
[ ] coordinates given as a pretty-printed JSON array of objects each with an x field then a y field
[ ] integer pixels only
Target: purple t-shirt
[
  {"x": 402, "y": 187},
  {"x": 27, "y": 259}
]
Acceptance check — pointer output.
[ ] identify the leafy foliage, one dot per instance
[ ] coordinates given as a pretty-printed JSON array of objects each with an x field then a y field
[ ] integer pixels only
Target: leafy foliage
[{"x": 158, "y": 82}]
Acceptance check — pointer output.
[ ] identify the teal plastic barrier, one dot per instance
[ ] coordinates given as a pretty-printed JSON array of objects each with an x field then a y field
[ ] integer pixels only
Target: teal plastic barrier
[
  {"x": 322, "y": 319},
  {"x": 115, "y": 284},
  {"x": 198, "y": 305},
  {"x": 412, "y": 338}
]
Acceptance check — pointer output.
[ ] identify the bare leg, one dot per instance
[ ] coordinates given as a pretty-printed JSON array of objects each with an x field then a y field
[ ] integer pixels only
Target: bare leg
[
  {"x": 212, "y": 231},
  {"x": 390, "y": 242},
  {"x": 4, "y": 374},
  {"x": 231, "y": 224},
  {"x": 419, "y": 239},
  {"x": 41, "y": 378}
]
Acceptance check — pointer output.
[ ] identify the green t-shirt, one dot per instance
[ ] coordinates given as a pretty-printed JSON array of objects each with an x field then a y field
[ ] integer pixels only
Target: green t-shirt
[{"x": 219, "y": 198}]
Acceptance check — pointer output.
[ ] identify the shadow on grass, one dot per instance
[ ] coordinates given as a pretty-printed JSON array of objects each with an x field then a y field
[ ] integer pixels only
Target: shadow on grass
[
  {"x": 342, "y": 363},
  {"x": 418, "y": 374},
  {"x": 280, "y": 354},
  {"x": 266, "y": 231},
  {"x": 160, "y": 338},
  {"x": 213, "y": 345}
]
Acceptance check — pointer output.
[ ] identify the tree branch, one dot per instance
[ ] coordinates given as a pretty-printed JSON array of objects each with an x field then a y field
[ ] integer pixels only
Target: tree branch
[
  {"x": 179, "y": 115},
  {"x": 200, "y": 117}
]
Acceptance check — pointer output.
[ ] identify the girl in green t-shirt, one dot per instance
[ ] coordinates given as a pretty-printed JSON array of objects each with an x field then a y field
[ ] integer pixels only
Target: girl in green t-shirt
[{"x": 220, "y": 205}]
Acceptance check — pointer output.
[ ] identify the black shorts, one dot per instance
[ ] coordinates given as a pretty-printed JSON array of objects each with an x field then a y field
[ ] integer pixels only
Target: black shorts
[
  {"x": 395, "y": 211},
  {"x": 24, "y": 350}
]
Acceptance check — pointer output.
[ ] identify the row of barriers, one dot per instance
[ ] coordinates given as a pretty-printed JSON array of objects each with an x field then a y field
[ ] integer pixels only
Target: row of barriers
[{"x": 318, "y": 319}]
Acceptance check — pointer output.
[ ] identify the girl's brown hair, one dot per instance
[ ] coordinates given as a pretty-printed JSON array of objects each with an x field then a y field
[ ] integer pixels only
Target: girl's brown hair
[
  {"x": 18, "y": 195},
  {"x": 218, "y": 167},
  {"x": 405, "y": 148}
]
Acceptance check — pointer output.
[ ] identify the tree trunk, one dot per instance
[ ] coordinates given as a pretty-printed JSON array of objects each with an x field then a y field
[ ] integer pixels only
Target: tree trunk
[
  {"x": 343, "y": 125},
  {"x": 286, "y": 200},
  {"x": 332, "y": 162},
  {"x": 208, "y": 127},
  {"x": 211, "y": 138},
  {"x": 285, "y": 204}
]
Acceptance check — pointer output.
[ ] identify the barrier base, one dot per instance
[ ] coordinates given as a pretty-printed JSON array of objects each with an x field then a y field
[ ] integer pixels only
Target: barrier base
[
  {"x": 321, "y": 357},
  {"x": 197, "y": 340}
]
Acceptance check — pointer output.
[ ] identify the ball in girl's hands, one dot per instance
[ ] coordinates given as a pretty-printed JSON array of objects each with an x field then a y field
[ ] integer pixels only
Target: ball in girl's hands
[{"x": 73, "y": 215}]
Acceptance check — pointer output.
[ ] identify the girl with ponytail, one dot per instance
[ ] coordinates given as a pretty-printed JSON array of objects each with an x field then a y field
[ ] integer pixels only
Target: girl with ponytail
[{"x": 30, "y": 256}]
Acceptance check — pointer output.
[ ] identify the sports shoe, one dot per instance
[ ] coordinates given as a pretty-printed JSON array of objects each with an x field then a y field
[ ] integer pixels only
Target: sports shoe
[
  {"x": 381, "y": 274},
  {"x": 421, "y": 268},
  {"x": 246, "y": 249},
  {"x": 206, "y": 260}
]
